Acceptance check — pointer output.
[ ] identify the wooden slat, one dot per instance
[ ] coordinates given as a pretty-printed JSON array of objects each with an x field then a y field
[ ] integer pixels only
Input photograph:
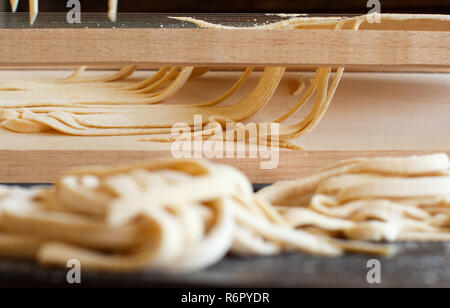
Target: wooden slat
[
  {"x": 45, "y": 166},
  {"x": 214, "y": 47},
  {"x": 372, "y": 114},
  {"x": 118, "y": 66}
]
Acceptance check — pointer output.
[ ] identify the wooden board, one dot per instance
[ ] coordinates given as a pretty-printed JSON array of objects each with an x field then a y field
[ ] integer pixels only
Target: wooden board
[
  {"x": 213, "y": 47},
  {"x": 372, "y": 114},
  {"x": 417, "y": 42},
  {"x": 117, "y": 66}
]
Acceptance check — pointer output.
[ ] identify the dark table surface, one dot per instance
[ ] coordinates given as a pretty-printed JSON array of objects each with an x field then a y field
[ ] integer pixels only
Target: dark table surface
[{"x": 416, "y": 265}]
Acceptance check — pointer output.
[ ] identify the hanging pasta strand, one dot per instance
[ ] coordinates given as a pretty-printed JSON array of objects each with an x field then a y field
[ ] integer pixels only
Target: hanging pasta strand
[
  {"x": 199, "y": 71},
  {"x": 322, "y": 102},
  {"x": 230, "y": 92},
  {"x": 75, "y": 75},
  {"x": 34, "y": 10},
  {"x": 180, "y": 80},
  {"x": 123, "y": 73},
  {"x": 112, "y": 9},
  {"x": 171, "y": 75},
  {"x": 151, "y": 80},
  {"x": 14, "y": 5},
  {"x": 94, "y": 109},
  {"x": 300, "y": 87},
  {"x": 308, "y": 94}
]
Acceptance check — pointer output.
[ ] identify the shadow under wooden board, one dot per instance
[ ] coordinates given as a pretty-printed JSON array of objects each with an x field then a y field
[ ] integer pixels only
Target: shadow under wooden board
[{"x": 372, "y": 114}]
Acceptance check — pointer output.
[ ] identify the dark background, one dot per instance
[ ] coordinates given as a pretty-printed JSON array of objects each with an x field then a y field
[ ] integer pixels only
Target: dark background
[{"x": 246, "y": 6}]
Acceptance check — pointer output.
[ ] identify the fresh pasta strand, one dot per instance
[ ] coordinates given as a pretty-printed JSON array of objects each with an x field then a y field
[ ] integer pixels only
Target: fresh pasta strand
[
  {"x": 93, "y": 91},
  {"x": 24, "y": 126},
  {"x": 124, "y": 72},
  {"x": 112, "y": 10},
  {"x": 19, "y": 246},
  {"x": 230, "y": 92},
  {"x": 173, "y": 73},
  {"x": 185, "y": 215},
  {"x": 323, "y": 100},
  {"x": 75, "y": 75},
  {"x": 111, "y": 121},
  {"x": 108, "y": 111},
  {"x": 34, "y": 9},
  {"x": 151, "y": 80},
  {"x": 377, "y": 199},
  {"x": 14, "y": 5},
  {"x": 300, "y": 87},
  {"x": 200, "y": 71},
  {"x": 205, "y": 104}
]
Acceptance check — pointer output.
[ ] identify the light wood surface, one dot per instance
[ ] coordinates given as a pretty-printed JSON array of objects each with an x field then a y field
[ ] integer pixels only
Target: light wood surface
[
  {"x": 214, "y": 47},
  {"x": 372, "y": 114},
  {"x": 117, "y": 66}
]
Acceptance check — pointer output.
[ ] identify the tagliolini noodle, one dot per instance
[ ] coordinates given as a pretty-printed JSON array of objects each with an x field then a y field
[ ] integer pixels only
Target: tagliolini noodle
[
  {"x": 378, "y": 199},
  {"x": 186, "y": 215},
  {"x": 156, "y": 215},
  {"x": 112, "y": 9},
  {"x": 88, "y": 119},
  {"x": 129, "y": 120},
  {"x": 105, "y": 107}
]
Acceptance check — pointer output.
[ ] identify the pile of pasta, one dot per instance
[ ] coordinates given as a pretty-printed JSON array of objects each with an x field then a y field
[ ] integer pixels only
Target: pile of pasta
[
  {"x": 378, "y": 199},
  {"x": 107, "y": 106},
  {"x": 168, "y": 215},
  {"x": 186, "y": 215}
]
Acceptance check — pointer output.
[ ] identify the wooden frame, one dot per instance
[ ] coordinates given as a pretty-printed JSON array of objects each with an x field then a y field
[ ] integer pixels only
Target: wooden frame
[
  {"x": 46, "y": 166},
  {"x": 219, "y": 47},
  {"x": 42, "y": 158}
]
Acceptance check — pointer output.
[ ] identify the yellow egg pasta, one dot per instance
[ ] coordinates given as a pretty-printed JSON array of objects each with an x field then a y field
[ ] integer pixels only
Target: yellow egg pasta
[
  {"x": 377, "y": 199},
  {"x": 186, "y": 215},
  {"x": 108, "y": 106}
]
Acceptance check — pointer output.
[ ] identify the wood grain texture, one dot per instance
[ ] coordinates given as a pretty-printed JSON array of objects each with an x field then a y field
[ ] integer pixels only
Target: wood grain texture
[
  {"x": 214, "y": 47},
  {"x": 373, "y": 114},
  {"x": 45, "y": 166},
  {"x": 117, "y": 66}
]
